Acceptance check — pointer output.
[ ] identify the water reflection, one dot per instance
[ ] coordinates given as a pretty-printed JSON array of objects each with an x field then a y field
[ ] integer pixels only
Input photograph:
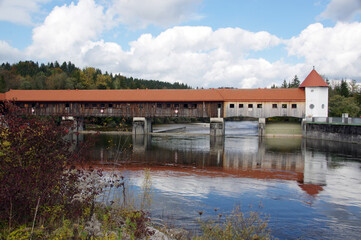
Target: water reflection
[{"x": 301, "y": 183}]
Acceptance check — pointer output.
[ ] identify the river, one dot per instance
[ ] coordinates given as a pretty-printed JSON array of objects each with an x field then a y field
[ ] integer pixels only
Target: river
[{"x": 309, "y": 189}]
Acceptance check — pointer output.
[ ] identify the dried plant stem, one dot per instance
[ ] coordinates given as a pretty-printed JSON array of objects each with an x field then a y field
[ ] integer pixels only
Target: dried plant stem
[
  {"x": 11, "y": 214},
  {"x": 36, "y": 212}
]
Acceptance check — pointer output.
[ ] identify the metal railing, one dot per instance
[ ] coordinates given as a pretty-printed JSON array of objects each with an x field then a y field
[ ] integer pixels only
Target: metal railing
[{"x": 336, "y": 120}]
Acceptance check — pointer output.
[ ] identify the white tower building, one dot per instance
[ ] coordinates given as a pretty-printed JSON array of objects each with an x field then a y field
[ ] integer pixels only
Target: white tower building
[{"x": 316, "y": 90}]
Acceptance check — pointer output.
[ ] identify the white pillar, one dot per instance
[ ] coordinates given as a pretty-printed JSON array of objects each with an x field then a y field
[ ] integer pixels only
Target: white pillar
[
  {"x": 217, "y": 127},
  {"x": 141, "y": 126},
  {"x": 262, "y": 127}
]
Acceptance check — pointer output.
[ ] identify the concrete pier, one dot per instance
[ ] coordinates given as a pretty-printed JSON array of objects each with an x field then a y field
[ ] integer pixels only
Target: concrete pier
[
  {"x": 261, "y": 127},
  {"x": 217, "y": 127},
  {"x": 142, "y": 126}
]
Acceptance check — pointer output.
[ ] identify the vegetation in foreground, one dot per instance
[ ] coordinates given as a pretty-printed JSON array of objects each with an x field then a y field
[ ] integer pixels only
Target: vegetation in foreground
[
  {"x": 237, "y": 225},
  {"x": 46, "y": 194}
]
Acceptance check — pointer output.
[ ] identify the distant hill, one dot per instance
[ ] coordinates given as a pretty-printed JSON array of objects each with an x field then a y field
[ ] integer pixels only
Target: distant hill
[{"x": 31, "y": 75}]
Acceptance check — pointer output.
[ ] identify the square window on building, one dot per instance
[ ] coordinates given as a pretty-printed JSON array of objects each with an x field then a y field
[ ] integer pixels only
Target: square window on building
[
  {"x": 110, "y": 105},
  {"x": 219, "y": 105},
  {"x": 240, "y": 105},
  {"x": 168, "y": 105},
  {"x": 259, "y": 105},
  {"x": 66, "y": 105},
  {"x": 140, "y": 106},
  {"x": 94, "y": 105},
  {"x": 250, "y": 105},
  {"x": 159, "y": 105},
  {"x": 176, "y": 105},
  {"x": 284, "y": 105},
  {"x": 185, "y": 105},
  {"x": 294, "y": 105},
  {"x": 231, "y": 105},
  {"x": 194, "y": 105},
  {"x": 274, "y": 105}
]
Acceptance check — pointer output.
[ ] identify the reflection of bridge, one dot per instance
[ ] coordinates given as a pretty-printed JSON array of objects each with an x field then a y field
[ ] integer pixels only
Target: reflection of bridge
[
  {"x": 268, "y": 159},
  {"x": 144, "y": 104}
]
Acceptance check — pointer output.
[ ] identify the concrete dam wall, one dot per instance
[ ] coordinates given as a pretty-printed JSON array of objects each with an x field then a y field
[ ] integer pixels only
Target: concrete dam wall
[{"x": 334, "y": 132}]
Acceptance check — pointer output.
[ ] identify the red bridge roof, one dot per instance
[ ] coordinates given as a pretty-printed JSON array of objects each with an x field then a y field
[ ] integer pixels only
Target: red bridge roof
[{"x": 157, "y": 95}]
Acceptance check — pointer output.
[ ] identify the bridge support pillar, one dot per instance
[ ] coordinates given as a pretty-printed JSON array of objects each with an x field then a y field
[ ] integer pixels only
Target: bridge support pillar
[
  {"x": 79, "y": 124},
  {"x": 142, "y": 125},
  {"x": 217, "y": 127},
  {"x": 261, "y": 127}
]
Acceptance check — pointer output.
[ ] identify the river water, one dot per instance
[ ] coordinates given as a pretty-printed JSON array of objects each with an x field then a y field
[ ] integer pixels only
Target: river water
[{"x": 309, "y": 189}]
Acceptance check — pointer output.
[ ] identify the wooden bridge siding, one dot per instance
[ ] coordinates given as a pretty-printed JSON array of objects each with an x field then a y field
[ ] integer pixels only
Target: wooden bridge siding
[{"x": 121, "y": 109}]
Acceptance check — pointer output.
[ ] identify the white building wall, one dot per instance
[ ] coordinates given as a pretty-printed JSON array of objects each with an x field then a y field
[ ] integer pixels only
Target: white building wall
[
  {"x": 264, "y": 109},
  {"x": 316, "y": 102}
]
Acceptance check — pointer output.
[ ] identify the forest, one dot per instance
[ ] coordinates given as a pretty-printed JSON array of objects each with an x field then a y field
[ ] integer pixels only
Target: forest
[{"x": 31, "y": 75}]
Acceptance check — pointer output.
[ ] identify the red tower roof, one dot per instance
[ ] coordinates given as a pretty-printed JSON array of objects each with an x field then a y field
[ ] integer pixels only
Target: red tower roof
[{"x": 313, "y": 80}]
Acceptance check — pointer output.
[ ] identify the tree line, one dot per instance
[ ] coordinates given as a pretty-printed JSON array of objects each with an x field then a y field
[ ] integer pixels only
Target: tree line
[
  {"x": 30, "y": 75},
  {"x": 344, "y": 98}
]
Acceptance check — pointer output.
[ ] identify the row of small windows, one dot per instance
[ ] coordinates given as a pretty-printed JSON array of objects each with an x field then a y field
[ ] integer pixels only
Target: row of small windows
[{"x": 274, "y": 105}]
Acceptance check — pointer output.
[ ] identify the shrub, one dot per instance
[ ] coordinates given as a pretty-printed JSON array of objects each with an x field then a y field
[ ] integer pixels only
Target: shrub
[
  {"x": 237, "y": 225},
  {"x": 34, "y": 158}
]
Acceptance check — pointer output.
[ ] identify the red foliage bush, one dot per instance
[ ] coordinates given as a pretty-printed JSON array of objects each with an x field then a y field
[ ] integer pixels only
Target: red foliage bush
[{"x": 34, "y": 157}]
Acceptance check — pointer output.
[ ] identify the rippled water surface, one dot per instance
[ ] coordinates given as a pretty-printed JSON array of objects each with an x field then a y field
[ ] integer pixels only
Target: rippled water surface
[{"x": 310, "y": 189}]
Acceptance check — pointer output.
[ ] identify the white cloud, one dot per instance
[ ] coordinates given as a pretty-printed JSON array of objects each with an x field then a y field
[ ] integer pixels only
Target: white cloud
[
  {"x": 8, "y": 53},
  {"x": 67, "y": 29},
  {"x": 141, "y": 13},
  {"x": 200, "y": 56},
  {"x": 19, "y": 11},
  {"x": 335, "y": 51},
  {"x": 342, "y": 10}
]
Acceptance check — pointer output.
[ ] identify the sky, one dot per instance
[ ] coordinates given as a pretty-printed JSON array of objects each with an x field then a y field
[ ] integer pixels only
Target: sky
[{"x": 202, "y": 43}]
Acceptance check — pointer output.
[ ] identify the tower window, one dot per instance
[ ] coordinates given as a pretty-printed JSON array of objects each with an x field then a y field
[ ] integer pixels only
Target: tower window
[
  {"x": 294, "y": 105},
  {"x": 259, "y": 105},
  {"x": 250, "y": 105},
  {"x": 231, "y": 105},
  {"x": 284, "y": 105},
  {"x": 274, "y": 105},
  {"x": 240, "y": 105}
]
